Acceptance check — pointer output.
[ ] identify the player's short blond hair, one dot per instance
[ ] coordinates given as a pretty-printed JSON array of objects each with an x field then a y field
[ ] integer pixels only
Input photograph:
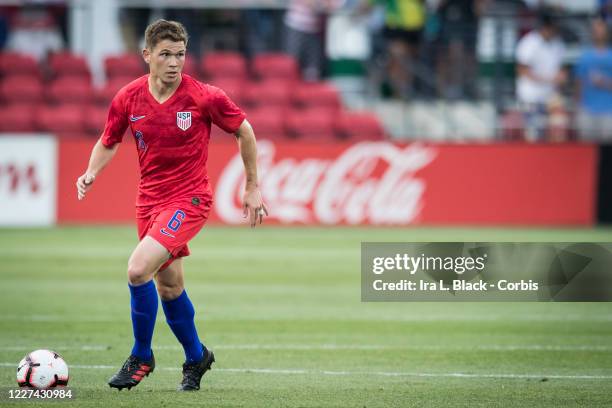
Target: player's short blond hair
[{"x": 160, "y": 30}]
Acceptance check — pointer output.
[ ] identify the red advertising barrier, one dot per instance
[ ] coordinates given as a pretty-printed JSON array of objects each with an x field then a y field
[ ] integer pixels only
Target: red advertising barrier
[
  {"x": 370, "y": 183},
  {"x": 113, "y": 196}
]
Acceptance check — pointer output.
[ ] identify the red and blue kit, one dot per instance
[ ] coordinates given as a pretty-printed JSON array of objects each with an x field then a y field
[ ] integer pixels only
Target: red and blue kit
[{"x": 174, "y": 195}]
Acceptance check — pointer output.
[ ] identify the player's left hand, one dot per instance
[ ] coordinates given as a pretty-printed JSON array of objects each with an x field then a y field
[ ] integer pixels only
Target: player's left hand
[{"x": 253, "y": 206}]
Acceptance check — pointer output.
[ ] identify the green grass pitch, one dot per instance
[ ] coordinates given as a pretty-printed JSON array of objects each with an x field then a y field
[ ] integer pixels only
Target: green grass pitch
[{"x": 281, "y": 308}]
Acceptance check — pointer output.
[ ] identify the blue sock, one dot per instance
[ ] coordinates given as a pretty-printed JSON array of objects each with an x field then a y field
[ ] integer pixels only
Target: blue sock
[
  {"x": 179, "y": 315},
  {"x": 144, "y": 312}
]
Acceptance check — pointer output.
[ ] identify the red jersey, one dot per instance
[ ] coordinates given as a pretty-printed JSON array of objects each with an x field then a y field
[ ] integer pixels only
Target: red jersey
[{"x": 171, "y": 137}]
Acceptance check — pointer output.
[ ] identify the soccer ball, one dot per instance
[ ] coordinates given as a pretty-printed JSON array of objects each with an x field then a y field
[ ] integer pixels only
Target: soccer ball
[{"x": 42, "y": 369}]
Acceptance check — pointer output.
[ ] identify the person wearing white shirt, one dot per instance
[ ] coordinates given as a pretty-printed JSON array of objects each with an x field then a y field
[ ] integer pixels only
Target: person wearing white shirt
[
  {"x": 35, "y": 32},
  {"x": 540, "y": 73}
]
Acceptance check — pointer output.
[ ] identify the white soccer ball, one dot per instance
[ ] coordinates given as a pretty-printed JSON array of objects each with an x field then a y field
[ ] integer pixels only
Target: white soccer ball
[{"x": 42, "y": 369}]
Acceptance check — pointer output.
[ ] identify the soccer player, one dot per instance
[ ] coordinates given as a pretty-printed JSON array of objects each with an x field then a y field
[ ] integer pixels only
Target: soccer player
[{"x": 170, "y": 115}]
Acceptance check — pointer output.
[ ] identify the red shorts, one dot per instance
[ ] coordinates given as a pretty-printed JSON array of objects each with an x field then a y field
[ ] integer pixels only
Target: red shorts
[{"x": 175, "y": 225}]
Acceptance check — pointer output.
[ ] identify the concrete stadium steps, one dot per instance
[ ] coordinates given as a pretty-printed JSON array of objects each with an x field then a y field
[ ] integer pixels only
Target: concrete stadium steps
[{"x": 438, "y": 121}]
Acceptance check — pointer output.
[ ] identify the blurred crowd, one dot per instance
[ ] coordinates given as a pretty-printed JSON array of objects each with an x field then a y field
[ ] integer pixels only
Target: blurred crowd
[
  {"x": 419, "y": 49},
  {"x": 427, "y": 47},
  {"x": 550, "y": 112},
  {"x": 35, "y": 30}
]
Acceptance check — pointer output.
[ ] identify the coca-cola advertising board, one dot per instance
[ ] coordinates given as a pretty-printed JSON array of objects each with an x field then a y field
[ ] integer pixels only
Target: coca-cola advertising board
[
  {"x": 28, "y": 180},
  {"x": 369, "y": 183}
]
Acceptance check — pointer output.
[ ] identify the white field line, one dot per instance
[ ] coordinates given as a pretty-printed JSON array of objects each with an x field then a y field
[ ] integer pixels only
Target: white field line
[
  {"x": 114, "y": 252},
  {"x": 307, "y": 347},
  {"x": 364, "y": 373},
  {"x": 414, "y": 318}
]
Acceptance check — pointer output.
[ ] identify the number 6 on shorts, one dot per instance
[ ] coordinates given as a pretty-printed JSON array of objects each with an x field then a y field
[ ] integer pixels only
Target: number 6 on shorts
[{"x": 177, "y": 219}]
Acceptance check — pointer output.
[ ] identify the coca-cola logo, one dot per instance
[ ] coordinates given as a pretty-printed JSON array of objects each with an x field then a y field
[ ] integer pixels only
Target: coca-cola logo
[
  {"x": 371, "y": 182},
  {"x": 16, "y": 177}
]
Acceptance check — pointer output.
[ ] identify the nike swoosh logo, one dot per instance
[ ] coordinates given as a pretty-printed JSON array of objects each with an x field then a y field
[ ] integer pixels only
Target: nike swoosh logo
[
  {"x": 163, "y": 231},
  {"x": 135, "y": 118}
]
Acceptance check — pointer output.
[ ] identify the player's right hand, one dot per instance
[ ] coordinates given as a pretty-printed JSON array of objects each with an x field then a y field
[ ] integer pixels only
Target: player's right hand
[{"x": 83, "y": 184}]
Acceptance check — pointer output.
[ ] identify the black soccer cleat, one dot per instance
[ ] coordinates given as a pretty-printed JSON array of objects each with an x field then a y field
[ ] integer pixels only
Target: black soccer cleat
[
  {"x": 193, "y": 372},
  {"x": 132, "y": 372}
]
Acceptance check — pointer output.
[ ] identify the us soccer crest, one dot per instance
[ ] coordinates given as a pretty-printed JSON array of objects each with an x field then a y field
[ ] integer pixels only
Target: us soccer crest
[{"x": 183, "y": 120}]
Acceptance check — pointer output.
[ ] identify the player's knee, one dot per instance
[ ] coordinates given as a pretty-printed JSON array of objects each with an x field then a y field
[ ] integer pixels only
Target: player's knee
[
  {"x": 169, "y": 292},
  {"x": 138, "y": 273}
]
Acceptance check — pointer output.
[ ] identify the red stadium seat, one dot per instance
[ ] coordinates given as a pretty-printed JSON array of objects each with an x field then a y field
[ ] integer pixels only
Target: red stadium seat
[
  {"x": 130, "y": 65},
  {"x": 315, "y": 124},
  {"x": 270, "y": 93},
  {"x": 275, "y": 65},
  {"x": 17, "y": 118},
  {"x": 316, "y": 94},
  {"x": 67, "y": 64},
  {"x": 18, "y": 88},
  {"x": 105, "y": 95},
  {"x": 357, "y": 126},
  {"x": 94, "y": 119},
  {"x": 63, "y": 120},
  {"x": 70, "y": 90},
  {"x": 234, "y": 88},
  {"x": 223, "y": 65},
  {"x": 13, "y": 63},
  {"x": 268, "y": 123}
]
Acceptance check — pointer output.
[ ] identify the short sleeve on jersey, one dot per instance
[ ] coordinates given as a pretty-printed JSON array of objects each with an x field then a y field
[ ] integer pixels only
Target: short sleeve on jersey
[
  {"x": 224, "y": 112},
  {"x": 116, "y": 122}
]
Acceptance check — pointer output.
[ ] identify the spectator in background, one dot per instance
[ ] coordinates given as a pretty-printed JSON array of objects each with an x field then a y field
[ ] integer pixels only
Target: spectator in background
[
  {"x": 403, "y": 31},
  {"x": 594, "y": 87},
  {"x": 604, "y": 9},
  {"x": 259, "y": 34},
  {"x": 457, "y": 65},
  {"x": 304, "y": 21},
  {"x": 35, "y": 32},
  {"x": 539, "y": 57},
  {"x": 4, "y": 27}
]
